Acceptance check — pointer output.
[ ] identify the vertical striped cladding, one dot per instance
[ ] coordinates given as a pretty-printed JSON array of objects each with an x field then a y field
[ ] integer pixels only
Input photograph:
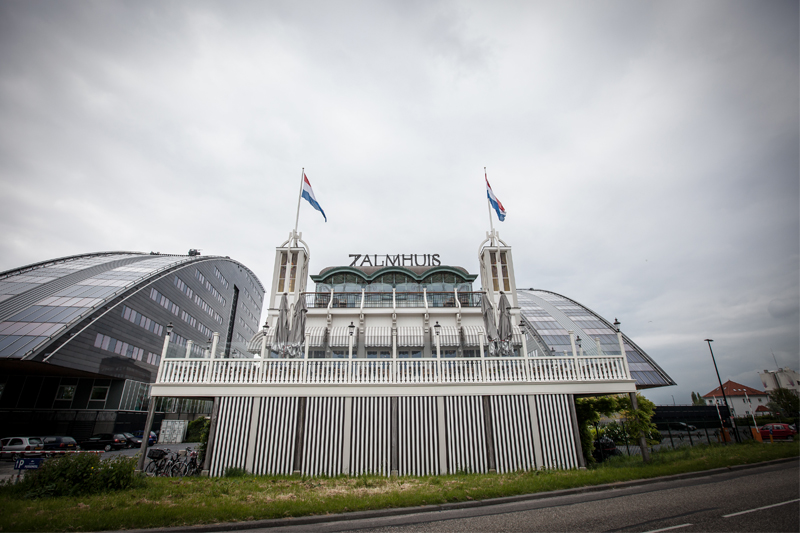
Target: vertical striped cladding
[
  {"x": 555, "y": 430},
  {"x": 233, "y": 430},
  {"x": 370, "y": 444},
  {"x": 466, "y": 441},
  {"x": 513, "y": 437},
  {"x": 275, "y": 438},
  {"x": 322, "y": 446},
  {"x": 418, "y": 439}
]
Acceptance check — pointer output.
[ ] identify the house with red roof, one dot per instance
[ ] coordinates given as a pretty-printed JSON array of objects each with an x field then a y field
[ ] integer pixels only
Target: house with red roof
[{"x": 742, "y": 400}]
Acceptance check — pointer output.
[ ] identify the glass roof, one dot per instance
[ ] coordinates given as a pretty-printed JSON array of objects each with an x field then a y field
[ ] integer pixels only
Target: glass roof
[
  {"x": 28, "y": 319},
  {"x": 552, "y": 316}
]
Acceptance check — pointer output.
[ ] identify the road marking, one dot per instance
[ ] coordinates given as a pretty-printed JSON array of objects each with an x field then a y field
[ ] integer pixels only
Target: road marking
[
  {"x": 668, "y": 528},
  {"x": 760, "y": 508}
]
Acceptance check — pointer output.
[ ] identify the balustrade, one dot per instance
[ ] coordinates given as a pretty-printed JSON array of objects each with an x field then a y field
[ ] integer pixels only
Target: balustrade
[{"x": 393, "y": 371}]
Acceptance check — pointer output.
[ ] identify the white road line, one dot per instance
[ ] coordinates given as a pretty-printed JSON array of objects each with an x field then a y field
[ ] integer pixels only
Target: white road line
[
  {"x": 668, "y": 528},
  {"x": 760, "y": 508}
]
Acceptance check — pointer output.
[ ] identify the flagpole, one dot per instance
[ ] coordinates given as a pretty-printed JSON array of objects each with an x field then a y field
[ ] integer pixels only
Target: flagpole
[
  {"x": 299, "y": 197},
  {"x": 489, "y": 205}
]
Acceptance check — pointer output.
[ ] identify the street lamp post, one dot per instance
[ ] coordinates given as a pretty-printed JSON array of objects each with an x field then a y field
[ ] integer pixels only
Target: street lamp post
[
  {"x": 437, "y": 328},
  {"x": 721, "y": 388},
  {"x": 351, "y": 329}
]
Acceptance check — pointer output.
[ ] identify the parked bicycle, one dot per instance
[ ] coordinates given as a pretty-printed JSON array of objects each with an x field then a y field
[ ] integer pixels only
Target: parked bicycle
[{"x": 186, "y": 464}]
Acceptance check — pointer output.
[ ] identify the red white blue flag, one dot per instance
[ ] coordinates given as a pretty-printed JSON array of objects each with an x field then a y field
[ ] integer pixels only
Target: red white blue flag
[
  {"x": 308, "y": 194},
  {"x": 495, "y": 203}
]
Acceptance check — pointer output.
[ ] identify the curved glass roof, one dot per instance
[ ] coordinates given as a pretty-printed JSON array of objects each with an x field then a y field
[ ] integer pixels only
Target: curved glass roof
[
  {"x": 551, "y": 316},
  {"x": 40, "y": 301}
]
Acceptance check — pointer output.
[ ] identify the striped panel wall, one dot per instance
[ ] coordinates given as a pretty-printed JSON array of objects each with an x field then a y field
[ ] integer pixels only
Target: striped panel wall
[
  {"x": 513, "y": 436},
  {"x": 370, "y": 444},
  {"x": 418, "y": 439},
  {"x": 555, "y": 431},
  {"x": 466, "y": 446},
  {"x": 322, "y": 446},
  {"x": 230, "y": 445},
  {"x": 274, "y": 443}
]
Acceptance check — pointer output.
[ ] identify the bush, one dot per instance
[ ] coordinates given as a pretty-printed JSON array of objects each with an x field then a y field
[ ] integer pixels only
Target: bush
[
  {"x": 194, "y": 432},
  {"x": 78, "y": 474}
]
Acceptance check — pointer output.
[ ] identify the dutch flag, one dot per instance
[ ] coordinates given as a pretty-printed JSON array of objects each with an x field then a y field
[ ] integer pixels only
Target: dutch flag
[
  {"x": 496, "y": 204},
  {"x": 308, "y": 194}
]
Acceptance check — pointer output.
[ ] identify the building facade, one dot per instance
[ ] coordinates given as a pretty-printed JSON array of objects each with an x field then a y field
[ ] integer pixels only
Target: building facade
[
  {"x": 403, "y": 368},
  {"x": 783, "y": 378},
  {"x": 81, "y": 337},
  {"x": 742, "y": 400}
]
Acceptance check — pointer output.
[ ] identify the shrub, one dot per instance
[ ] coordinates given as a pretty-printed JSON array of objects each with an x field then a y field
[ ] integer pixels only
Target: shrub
[
  {"x": 78, "y": 474},
  {"x": 194, "y": 432}
]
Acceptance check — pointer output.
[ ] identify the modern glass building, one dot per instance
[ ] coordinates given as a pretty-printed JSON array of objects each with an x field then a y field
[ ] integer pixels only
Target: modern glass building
[{"x": 81, "y": 337}]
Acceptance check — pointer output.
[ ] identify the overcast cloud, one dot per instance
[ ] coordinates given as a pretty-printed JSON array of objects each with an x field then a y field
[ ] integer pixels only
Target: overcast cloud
[{"x": 646, "y": 152}]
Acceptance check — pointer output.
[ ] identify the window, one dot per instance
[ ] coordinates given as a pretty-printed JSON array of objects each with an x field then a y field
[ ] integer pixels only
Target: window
[
  {"x": 183, "y": 287},
  {"x": 141, "y": 320},
  {"x": 499, "y": 271},
  {"x": 65, "y": 392},
  {"x": 288, "y": 272},
  {"x": 415, "y": 353},
  {"x": 99, "y": 393}
]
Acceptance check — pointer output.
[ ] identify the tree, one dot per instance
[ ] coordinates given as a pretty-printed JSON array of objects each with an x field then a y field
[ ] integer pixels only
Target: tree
[
  {"x": 697, "y": 399},
  {"x": 786, "y": 402},
  {"x": 589, "y": 411}
]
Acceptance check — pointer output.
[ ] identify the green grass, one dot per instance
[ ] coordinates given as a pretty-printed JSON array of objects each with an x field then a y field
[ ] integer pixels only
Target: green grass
[{"x": 163, "y": 502}]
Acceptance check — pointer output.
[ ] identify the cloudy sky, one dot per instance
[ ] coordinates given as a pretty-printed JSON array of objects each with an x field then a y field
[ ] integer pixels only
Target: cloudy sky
[{"x": 646, "y": 152}]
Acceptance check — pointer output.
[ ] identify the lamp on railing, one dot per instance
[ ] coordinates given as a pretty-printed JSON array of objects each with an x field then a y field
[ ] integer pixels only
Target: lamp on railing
[
  {"x": 351, "y": 329},
  {"x": 580, "y": 346},
  {"x": 616, "y": 324},
  {"x": 170, "y": 327}
]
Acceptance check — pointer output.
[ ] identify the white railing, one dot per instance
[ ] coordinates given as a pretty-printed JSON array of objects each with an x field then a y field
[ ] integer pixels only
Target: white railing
[{"x": 392, "y": 371}]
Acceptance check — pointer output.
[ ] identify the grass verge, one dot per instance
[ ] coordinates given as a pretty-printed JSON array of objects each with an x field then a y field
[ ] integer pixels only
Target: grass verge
[{"x": 164, "y": 502}]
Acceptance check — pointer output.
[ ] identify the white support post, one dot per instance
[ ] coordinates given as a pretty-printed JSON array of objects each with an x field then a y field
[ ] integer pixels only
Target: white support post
[
  {"x": 572, "y": 342},
  {"x": 214, "y": 342},
  {"x": 624, "y": 356},
  {"x": 438, "y": 360},
  {"x": 537, "y": 441},
  {"x": 483, "y": 358},
  {"x": 394, "y": 378},
  {"x": 440, "y": 426},
  {"x": 189, "y": 345},
  {"x": 251, "y": 440},
  {"x": 349, "y": 358},
  {"x": 304, "y": 366},
  {"x": 161, "y": 367},
  {"x": 346, "y": 434}
]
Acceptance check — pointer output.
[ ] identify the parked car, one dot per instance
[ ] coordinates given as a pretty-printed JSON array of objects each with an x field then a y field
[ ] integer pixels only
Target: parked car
[
  {"x": 133, "y": 440},
  {"x": 153, "y": 437},
  {"x": 604, "y": 448},
  {"x": 21, "y": 447},
  {"x": 60, "y": 444},
  {"x": 105, "y": 441},
  {"x": 779, "y": 431}
]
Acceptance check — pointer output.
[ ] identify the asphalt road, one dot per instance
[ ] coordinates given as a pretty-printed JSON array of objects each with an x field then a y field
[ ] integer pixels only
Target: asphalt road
[{"x": 758, "y": 499}]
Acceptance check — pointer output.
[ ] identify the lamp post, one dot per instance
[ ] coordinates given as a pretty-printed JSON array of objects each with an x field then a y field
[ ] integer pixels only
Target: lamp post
[
  {"x": 580, "y": 346},
  {"x": 351, "y": 329},
  {"x": 721, "y": 388},
  {"x": 151, "y": 408},
  {"x": 436, "y": 329}
]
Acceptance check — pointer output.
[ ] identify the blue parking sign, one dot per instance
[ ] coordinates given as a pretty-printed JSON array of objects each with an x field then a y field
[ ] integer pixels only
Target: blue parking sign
[{"x": 27, "y": 464}]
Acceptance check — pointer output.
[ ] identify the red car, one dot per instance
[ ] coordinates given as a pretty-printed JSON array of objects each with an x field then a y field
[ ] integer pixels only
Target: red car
[{"x": 779, "y": 431}]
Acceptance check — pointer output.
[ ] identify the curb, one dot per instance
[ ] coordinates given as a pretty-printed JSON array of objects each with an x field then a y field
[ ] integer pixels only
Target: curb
[{"x": 380, "y": 513}]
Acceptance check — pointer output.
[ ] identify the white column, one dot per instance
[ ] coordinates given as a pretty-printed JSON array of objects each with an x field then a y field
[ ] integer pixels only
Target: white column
[
  {"x": 483, "y": 358},
  {"x": 189, "y": 345},
  {"x": 440, "y": 427},
  {"x": 438, "y": 359},
  {"x": 160, "y": 374},
  {"x": 347, "y": 430},
  {"x": 537, "y": 441},
  {"x": 572, "y": 343},
  {"x": 624, "y": 357},
  {"x": 251, "y": 440}
]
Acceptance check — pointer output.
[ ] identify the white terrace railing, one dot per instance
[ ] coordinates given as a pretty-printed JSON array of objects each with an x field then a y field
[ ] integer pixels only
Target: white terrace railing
[{"x": 391, "y": 371}]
